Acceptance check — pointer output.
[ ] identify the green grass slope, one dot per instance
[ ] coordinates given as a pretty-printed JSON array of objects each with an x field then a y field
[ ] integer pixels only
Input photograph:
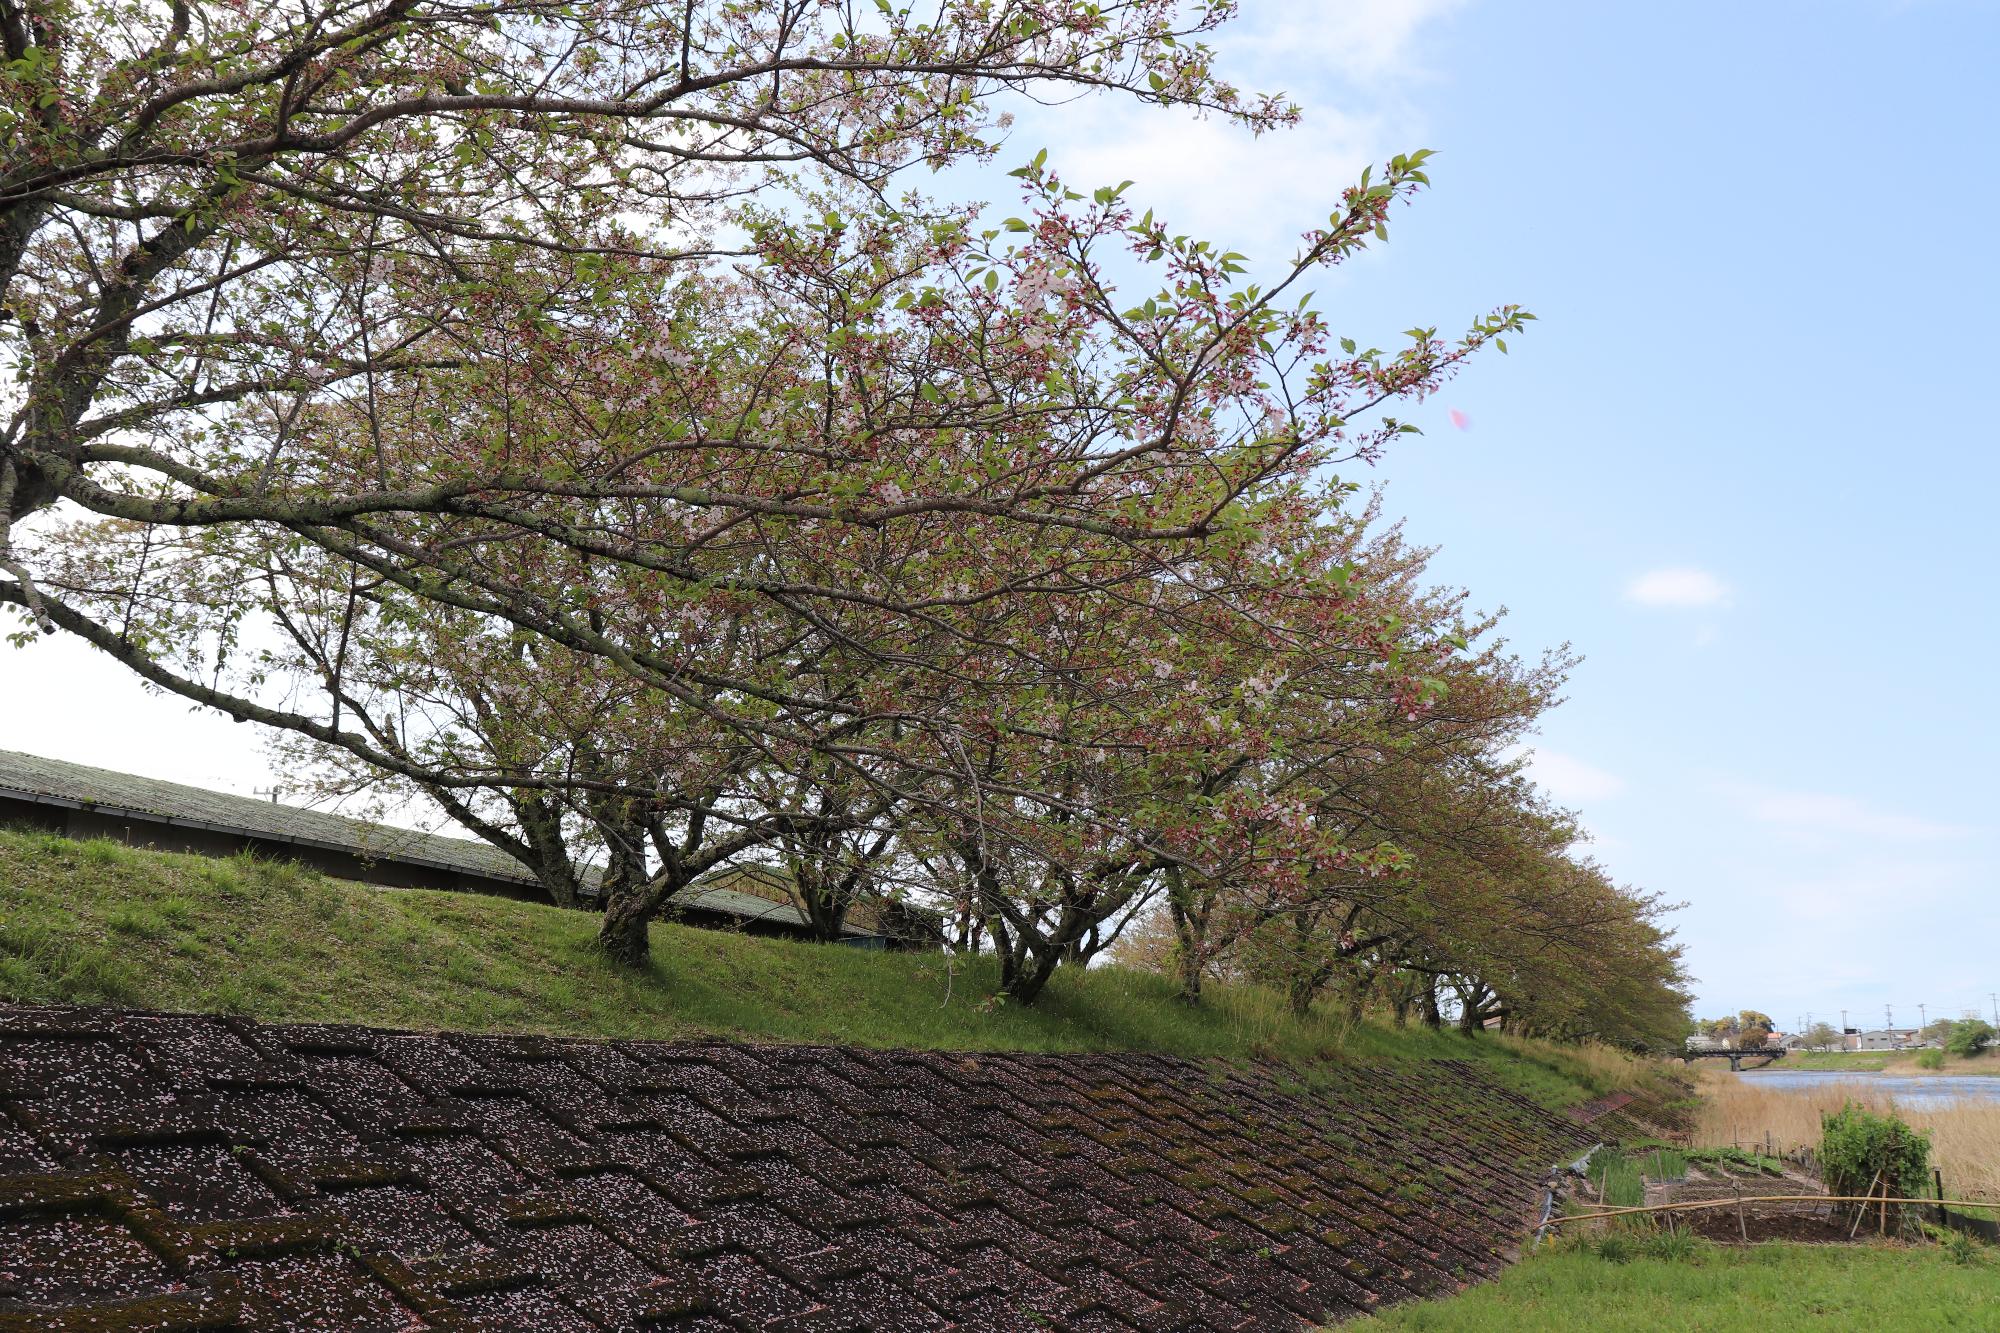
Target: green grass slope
[
  {"x": 99, "y": 923},
  {"x": 1771, "y": 1288}
]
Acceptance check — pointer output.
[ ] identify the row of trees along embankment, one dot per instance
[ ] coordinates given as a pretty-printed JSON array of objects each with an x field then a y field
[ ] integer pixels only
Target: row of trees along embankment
[{"x": 575, "y": 416}]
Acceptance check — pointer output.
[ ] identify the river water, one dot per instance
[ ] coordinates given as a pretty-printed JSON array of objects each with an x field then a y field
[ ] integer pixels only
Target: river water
[{"x": 1914, "y": 1091}]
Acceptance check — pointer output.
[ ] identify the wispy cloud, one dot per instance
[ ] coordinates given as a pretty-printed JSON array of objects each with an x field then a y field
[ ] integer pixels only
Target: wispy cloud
[
  {"x": 1682, "y": 586},
  {"x": 1827, "y": 812},
  {"x": 1349, "y": 66},
  {"x": 1572, "y": 780},
  {"x": 1356, "y": 41},
  {"x": 1923, "y": 884}
]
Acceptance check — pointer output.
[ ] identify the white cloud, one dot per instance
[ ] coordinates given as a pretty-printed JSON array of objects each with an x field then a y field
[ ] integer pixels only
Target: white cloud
[
  {"x": 1349, "y": 66},
  {"x": 1572, "y": 780},
  {"x": 1875, "y": 887},
  {"x": 1826, "y": 812},
  {"x": 1357, "y": 40},
  {"x": 1677, "y": 587}
]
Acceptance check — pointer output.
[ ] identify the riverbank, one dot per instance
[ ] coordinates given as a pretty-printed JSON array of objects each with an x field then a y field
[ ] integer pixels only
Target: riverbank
[
  {"x": 1751, "y": 1111},
  {"x": 1889, "y": 1062}
]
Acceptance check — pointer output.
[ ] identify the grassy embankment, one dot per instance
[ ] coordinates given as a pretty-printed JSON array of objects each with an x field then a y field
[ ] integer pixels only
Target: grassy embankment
[
  {"x": 1626, "y": 1284},
  {"x": 99, "y": 923},
  {"x": 1888, "y": 1062}
]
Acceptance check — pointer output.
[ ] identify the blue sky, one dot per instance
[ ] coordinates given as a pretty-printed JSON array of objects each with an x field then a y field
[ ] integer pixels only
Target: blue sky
[{"x": 1744, "y": 463}]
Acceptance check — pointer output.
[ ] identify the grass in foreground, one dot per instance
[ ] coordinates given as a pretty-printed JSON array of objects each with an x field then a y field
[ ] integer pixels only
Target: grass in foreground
[
  {"x": 100, "y": 923},
  {"x": 1679, "y": 1285}
]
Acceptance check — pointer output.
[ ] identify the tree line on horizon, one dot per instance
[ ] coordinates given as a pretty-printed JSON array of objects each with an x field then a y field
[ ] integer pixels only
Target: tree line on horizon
[
  {"x": 579, "y": 418},
  {"x": 1751, "y": 1029}
]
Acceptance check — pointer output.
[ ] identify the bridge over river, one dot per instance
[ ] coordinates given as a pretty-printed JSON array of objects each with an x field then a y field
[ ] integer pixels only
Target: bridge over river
[{"x": 1736, "y": 1058}]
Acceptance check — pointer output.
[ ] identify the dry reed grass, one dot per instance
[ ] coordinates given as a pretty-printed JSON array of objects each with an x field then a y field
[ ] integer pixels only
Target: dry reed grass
[
  {"x": 1965, "y": 1135},
  {"x": 1602, "y": 1067}
]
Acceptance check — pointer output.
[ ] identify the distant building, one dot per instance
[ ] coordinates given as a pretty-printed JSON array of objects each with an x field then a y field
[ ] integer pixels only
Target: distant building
[
  {"x": 1885, "y": 1039},
  {"x": 84, "y": 802}
]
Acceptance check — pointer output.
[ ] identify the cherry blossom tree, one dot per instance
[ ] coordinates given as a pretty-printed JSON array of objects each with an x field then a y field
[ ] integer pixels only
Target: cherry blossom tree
[{"x": 559, "y": 411}]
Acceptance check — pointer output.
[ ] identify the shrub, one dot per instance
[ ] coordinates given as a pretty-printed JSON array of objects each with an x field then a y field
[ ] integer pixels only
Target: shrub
[
  {"x": 1931, "y": 1059},
  {"x": 1675, "y": 1245},
  {"x": 1969, "y": 1036},
  {"x": 1959, "y": 1248},
  {"x": 1862, "y": 1152},
  {"x": 1614, "y": 1248}
]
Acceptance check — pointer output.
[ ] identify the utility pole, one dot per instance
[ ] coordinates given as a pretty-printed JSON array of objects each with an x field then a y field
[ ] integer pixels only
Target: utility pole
[
  {"x": 1996, "y": 1007},
  {"x": 1888, "y": 1017},
  {"x": 1923, "y": 1016}
]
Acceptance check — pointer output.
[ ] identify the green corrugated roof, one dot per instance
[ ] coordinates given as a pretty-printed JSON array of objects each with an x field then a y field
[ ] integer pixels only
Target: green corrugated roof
[
  {"x": 709, "y": 892},
  {"x": 109, "y": 791}
]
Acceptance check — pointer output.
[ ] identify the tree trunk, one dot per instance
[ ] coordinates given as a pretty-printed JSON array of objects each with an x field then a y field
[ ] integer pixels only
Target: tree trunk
[
  {"x": 1472, "y": 1008},
  {"x": 1402, "y": 998},
  {"x": 1301, "y": 991},
  {"x": 623, "y": 936},
  {"x": 1029, "y": 976},
  {"x": 1188, "y": 964},
  {"x": 824, "y": 904},
  {"x": 1433, "y": 1019},
  {"x": 1190, "y": 937}
]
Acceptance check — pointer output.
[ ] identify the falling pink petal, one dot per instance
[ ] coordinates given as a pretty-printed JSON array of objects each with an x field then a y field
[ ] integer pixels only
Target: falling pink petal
[{"x": 1460, "y": 420}]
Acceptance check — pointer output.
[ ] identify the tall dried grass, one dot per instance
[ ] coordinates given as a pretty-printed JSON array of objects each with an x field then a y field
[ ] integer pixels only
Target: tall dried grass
[
  {"x": 1600, "y": 1068},
  {"x": 1965, "y": 1135}
]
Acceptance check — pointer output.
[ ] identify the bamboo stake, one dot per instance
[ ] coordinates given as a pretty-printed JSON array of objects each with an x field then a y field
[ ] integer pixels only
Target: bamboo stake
[
  {"x": 1861, "y": 1213},
  {"x": 1763, "y": 1198}
]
